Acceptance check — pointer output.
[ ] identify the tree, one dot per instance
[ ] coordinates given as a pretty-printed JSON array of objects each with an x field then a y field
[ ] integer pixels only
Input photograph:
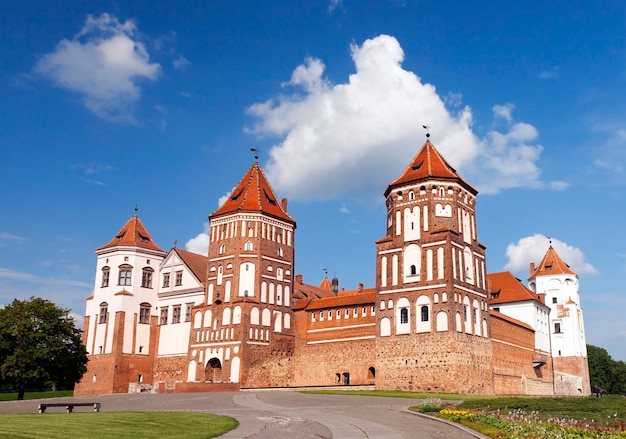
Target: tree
[
  {"x": 39, "y": 347},
  {"x": 600, "y": 363}
]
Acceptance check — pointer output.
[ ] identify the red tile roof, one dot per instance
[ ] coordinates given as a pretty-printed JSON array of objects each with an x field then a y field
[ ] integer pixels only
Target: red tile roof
[
  {"x": 506, "y": 288},
  {"x": 326, "y": 285},
  {"x": 551, "y": 264},
  {"x": 366, "y": 296},
  {"x": 254, "y": 194},
  {"x": 501, "y": 316},
  {"x": 198, "y": 264},
  {"x": 133, "y": 234},
  {"x": 428, "y": 163}
]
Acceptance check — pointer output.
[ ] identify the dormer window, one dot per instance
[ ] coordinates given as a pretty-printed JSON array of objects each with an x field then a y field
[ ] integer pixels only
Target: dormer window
[
  {"x": 143, "y": 238},
  {"x": 269, "y": 199},
  {"x": 418, "y": 166},
  {"x": 120, "y": 236}
]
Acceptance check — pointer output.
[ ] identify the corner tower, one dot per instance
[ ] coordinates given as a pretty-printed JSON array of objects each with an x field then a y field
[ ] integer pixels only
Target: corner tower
[
  {"x": 559, "y": 283},
  {"x": 120, "y": 329},
  {"x": 247, "y": 317},
  {"x": 433, "y": 316}
]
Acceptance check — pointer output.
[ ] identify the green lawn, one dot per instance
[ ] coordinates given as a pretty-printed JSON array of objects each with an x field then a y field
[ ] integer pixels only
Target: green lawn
[
  {"x": 115, "y": 425},
  {"x": 37, "y": 395}
]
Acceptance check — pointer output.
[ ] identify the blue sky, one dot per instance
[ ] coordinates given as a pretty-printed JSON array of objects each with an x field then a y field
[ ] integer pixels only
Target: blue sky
[{"x": 105, "y": 105}]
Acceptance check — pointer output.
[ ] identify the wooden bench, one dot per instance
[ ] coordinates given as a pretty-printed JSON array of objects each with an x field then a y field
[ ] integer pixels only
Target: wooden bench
[{"x": 69, "y": 406}]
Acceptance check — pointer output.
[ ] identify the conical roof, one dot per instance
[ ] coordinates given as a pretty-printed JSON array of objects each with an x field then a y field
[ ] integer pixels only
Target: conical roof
[
  {"x": 427, "y": 164},
  {"x": 133, "y": 234},
  {"x": 551, "y": 264},
  {"x": 254, "y": 194}
]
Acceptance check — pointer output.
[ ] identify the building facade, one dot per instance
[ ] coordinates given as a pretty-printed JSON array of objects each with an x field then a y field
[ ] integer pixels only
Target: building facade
[{"x": 239, "y": 317}]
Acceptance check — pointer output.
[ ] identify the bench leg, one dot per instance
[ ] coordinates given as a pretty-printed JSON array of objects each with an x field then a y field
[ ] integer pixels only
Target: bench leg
[{"x": 96, "y": 407}]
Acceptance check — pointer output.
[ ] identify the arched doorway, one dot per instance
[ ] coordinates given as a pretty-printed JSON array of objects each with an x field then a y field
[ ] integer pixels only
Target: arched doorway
[{"x": 213, "y": 371}]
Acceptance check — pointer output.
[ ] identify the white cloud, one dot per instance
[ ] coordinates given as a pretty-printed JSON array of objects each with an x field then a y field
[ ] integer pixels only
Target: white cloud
[
  {"x": 354, "y": 137},
  {"x": 181, "y": 63},
  {"x": 200, "y": 243},
  {"x": 334, "y": 4},
  {"x": 344, "y": 208},
  {"x": 7, "y": 239},
  {"x": 533, "y": 249},
  {"x": 31, "y": 278},
  {"x": 504, "y": 111},
  {"x": 104, "y": 63}
]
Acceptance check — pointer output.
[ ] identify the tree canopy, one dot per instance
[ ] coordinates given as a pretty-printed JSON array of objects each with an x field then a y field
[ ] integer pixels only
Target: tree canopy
[
  {"x": 604, "y": 372},
  {"x": 40, "y": 348}
]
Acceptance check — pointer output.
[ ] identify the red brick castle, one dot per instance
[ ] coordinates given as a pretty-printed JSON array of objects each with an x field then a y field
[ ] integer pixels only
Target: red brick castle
[{"x": 241, "y": 318}]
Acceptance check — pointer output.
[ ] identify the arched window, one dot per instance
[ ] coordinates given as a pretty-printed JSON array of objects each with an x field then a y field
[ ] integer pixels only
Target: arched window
[
  {"x": 104, "y": 312},
  {"x": 222, "y": 249},
  {"x": 411, "y": 195},
  {"x": 144, "y": 313},
  {"x": 106, "y": 274},
  {"x": 248, "y": 246},
  {"x": 413, "y": 270}
]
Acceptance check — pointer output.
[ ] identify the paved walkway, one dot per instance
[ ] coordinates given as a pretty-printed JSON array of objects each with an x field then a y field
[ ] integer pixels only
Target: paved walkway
[{"x": 289, "y": 414}]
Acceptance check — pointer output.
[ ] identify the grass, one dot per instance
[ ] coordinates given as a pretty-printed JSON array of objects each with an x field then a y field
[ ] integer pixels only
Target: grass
[
  {"x": 136, "y": 425},
  {"x": 37, "y": 395}
]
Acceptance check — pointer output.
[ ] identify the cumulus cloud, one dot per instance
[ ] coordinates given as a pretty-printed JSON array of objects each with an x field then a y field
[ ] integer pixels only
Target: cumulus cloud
[
  {"x": 200, "y": 243},
  {"x": 533, "y": 249},
  {"x": 104, "y": 64},
  {"x": 355, "y": 137}
]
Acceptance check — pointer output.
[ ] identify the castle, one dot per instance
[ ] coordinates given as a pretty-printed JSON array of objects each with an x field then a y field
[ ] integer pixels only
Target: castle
[{"x": 240, "y": 317}]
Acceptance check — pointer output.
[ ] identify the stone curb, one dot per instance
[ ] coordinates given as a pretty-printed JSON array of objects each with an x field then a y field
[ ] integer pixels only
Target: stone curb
[{"x": 454, "y": 424}]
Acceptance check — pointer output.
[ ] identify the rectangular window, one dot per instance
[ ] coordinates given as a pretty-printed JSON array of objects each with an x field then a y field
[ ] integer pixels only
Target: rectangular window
[
  {"x": 188, "y": 309},
  {"x": 313, "y": 316},
  {"x": 146, "y": 279},
  {"x": 125, "y": 274},
  {"x": 330, "y": 315},
  {"x": 179, "y": 278},
  {"x": 404, "y": 316},
  {"x": 163, "y": 319},
  {"x": 105, "y": 278},
  {"x": 104, "y": 312},
  {"x": 554, "y": 300},
  {"x": 144, "y": 315},
  {"x": 557, "y": 328},
  {"x": 166, "y": 280},
  {"x": 176, "y": 314},
  {"x": 321, "y": 316}
]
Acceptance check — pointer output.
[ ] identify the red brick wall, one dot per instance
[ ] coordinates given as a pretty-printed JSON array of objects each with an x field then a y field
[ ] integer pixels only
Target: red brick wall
[{"x": 513, "y": 356}]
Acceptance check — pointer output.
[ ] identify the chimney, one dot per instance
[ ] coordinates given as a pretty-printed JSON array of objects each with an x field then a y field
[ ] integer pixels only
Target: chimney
[
  {"x": 532, "y": 267},
  {"x": 360, "y": 287},
  {"x": 283, "y": 203},
  {"x": 299, "y": 278}
]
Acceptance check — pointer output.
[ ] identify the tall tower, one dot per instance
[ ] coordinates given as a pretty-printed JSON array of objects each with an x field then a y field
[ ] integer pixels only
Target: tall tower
[
  {"x": 556, "y": 280},
  {"x": 247, "y": 317},
  {"x": 121, "y": 318},
  {"x": 433, "y": 316}
]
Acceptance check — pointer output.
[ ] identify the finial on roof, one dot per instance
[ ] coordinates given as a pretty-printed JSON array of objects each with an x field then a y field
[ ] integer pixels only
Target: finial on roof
[
  {"x": 325, "y": 272},
  {"x": 256, "y": 153},
  {"x": 427, "y": 128},
  {"x": 550, "y": 241},
  {"x": 175, "y": 242},
  {"x": 136, "y": 209}
]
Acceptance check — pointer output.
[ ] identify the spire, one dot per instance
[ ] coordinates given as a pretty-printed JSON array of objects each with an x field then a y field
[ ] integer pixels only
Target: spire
[
  {"x": 133, "y": 234},
  {"x": 254, "y": 194},
  {"x": 551, "y": 264},
  {"x": 428, "y": 163}
]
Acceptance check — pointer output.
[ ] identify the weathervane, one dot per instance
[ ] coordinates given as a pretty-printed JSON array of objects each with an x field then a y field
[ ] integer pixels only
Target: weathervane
[
  {"x": 136, "y": 209},
  {"x": 256, "y": 153},
  {"x": 325, "y": 272},
  {"x": 427, "y": 128}
]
